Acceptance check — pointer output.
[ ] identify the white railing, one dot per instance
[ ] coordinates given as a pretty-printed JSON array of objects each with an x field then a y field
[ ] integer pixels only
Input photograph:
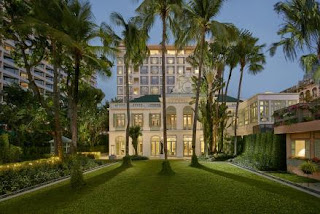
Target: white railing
[{"x": 135, "y": 105}]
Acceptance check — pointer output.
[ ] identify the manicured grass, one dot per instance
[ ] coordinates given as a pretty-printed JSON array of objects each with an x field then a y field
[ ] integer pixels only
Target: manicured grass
[
  {"x": 293, "y": 178},
  {"x": 214, "y": 188}
]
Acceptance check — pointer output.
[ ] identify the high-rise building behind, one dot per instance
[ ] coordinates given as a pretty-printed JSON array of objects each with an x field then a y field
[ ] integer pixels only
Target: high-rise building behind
[
  {"x": 147, "y": 79},
  {"x": 43, "y": 73}
]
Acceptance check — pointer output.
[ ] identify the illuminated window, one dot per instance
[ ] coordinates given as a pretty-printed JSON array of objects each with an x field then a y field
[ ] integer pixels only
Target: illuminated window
[
  {"x": 120, "y": 146},
  {"x": 170, "y": 60},
  {"x": 180, "y": 60},
  {"x": 119, "y": 120},
  {"x": 155, "y": 120},
  {"x": 170, "y": 70},
  {"x": 120, "y": 70},
  {"x": 136, "y": 91},
  {"x": 202, "y": 145},
  {"x": 171, "y": 145},
  {"x": 137, "y": 120},
  {"x": 155, "y": 146},
  {"x": 180, "y": 69},
  {"x": 120, "y": 61},
  {"x": 171, "y": 118},
  {"x": 254, "y": 112},
  {"x": 154, "y": 52},
  {"x": 154, "y": 60},
  {"x": 187, "y": 118},
  {"x": 155, "y": 90},
  {"x": 187, "y": 146},
  {"x": 264, "y": 111},
  {"x": 300, "y": 148}
]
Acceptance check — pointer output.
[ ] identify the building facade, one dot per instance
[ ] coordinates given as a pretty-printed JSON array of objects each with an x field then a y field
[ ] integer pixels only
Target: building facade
[
  {"x": 256, "y": 113},
  {"x": 147, "y": 79},
  {"x": 146, "y": 112},
  {"x": 43, "y": 73}
]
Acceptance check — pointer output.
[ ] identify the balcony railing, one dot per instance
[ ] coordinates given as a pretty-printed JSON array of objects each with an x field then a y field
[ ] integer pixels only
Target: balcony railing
[
  {"x": 134, "y": 105},
  {"x": 301, "y": 112}
]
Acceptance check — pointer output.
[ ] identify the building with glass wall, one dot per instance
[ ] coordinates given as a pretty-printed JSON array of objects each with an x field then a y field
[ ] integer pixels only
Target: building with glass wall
[{"x": 256, "y": 113}]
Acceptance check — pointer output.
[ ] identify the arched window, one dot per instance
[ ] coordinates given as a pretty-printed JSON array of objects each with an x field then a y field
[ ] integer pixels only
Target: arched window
[
  {"x": 155, "y": 146},
  {"x": 120, "y": 146},
  {"x": 187, "y": 118},
  {"x": 171, "y": 118}
]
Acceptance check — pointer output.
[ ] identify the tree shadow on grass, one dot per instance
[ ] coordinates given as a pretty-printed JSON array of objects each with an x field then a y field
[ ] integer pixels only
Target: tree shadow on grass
[
  {"x": 60, "y": 196},
  {"x": 264, "y": 185}
]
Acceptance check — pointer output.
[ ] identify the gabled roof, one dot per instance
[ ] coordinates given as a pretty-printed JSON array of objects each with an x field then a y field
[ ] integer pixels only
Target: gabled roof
[
  {"x": 227, "y": 98},
  {"x": 147, "y": 99}
]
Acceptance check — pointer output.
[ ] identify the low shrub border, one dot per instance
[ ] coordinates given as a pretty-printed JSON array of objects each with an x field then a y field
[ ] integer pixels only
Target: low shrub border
[
  {"x": 49, "y": 183},
  {"x": 21, "y": 176}
]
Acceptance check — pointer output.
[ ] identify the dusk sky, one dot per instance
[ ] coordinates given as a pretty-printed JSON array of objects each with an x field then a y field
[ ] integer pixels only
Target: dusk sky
[{"x": 256, "y": 16}]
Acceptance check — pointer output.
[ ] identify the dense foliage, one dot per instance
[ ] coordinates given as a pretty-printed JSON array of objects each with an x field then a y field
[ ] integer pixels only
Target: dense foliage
[
  {"x": 18, "y": 176},
  {"x": 264, "y": 151}
]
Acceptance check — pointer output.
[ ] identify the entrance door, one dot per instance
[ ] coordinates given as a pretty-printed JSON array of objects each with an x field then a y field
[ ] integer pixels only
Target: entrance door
[
  {"x": 187, "y": 146},
  {"x": 155, "y": 146},
  {"x": 171, "y": 145}
]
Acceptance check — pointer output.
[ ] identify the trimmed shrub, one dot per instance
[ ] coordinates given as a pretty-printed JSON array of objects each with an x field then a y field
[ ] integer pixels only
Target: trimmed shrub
[
  {"x": 138, "y": 157},
  {"x": 76, "y": 180},
  {"x": 264, "y": 151},
  {"x": 8, "y": 153}
]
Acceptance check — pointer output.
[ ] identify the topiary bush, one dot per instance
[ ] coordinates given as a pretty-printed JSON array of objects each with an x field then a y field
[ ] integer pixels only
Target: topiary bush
[{"x": 76, "y": 180}]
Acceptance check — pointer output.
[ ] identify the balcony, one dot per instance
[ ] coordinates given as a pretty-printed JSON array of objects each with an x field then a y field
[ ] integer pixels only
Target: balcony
[{"x": 299, "y": 113}]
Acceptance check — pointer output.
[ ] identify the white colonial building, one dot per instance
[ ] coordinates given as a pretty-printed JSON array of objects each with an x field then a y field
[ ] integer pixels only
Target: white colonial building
[{"x": 146, "y": 112}]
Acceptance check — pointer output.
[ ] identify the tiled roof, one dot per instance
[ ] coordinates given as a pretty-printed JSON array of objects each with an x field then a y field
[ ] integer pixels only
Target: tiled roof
[
  {"x": 147, "y": 99},
  {"x": 228, "y": 99}
]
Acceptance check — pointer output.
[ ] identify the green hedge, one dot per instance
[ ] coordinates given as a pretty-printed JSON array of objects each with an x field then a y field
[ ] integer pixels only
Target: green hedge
[
  {"x": 263, "y": 151},
  {"x": 14, "y": 177},
  {"x": 228, "y": 146}
]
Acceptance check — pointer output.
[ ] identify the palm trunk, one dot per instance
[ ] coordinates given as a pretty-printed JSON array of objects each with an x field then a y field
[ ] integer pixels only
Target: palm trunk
[
  {"x": 237, "y": 111},
  {"x": 220, "y": 148},
  {"x": 210, "y": 117},
  {"x": 74, "y": 105},
  {"x": 128, "y": 109},
  {"x": 196, "y": 108},
  {"x": 56, "y": 105},
  {"x": 228, "y": 82},
  {"x": 164, "y": 104}
]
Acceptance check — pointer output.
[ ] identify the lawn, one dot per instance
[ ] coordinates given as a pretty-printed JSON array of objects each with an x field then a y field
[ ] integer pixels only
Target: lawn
[
  {"x": 293, "y": 178},
  {"x": 215, "y": 188}
]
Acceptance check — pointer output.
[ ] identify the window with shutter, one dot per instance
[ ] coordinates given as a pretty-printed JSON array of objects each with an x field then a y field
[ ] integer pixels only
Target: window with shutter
[{"x": 317, "y": 148}]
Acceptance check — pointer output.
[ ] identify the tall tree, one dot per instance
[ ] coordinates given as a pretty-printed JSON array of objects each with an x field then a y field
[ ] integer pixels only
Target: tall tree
[
  {"x": 251, "y": 57},
  {"x": 79, "y": 25},
  {"x": 134, "y": 38},
  {"x": 198, "y": 22},
  {"x": 166, "y": 10},
  {"x": 135, "y": 133},
  {"x": 300, "y": 31}
]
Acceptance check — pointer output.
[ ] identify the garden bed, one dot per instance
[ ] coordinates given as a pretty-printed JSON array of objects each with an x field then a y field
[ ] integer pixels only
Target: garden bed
[{"x": 19, "y": 177}]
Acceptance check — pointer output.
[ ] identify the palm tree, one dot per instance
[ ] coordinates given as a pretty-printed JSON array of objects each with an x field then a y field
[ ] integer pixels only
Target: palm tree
[
  {"x": 79, "y": 25},
  {"x": 135, "y": 133},
  {"x": 300, "y": 31},
  {"x": 250, "y": 57},
  {"x": 134, "y": 39},
  {"x": 198, "y": 22},
  {"x": 166, "y": 10}
]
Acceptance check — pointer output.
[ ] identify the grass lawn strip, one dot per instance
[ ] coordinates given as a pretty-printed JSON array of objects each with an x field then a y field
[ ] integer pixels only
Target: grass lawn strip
[{"x": 213, "y": 188}]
